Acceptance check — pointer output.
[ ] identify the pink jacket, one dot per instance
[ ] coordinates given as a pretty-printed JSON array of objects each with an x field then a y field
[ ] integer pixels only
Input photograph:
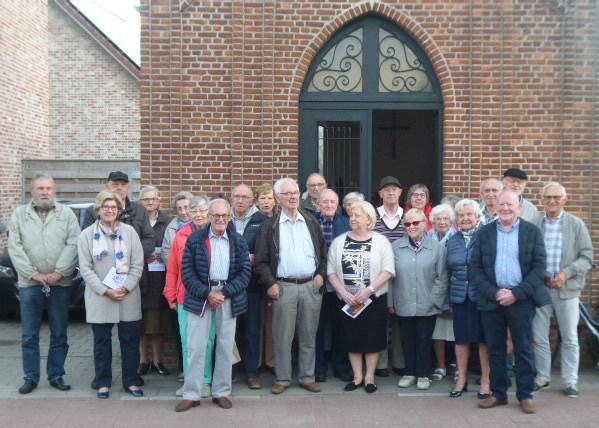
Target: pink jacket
[{"x": 174, "y": 290}]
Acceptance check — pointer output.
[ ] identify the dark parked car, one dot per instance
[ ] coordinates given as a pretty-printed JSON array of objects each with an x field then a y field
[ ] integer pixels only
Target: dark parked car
[{"x": 9, "y": 291}]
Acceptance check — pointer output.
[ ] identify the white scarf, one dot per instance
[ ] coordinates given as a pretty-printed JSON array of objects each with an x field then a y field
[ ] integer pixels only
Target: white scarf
[{"x": 100, "y": 246}]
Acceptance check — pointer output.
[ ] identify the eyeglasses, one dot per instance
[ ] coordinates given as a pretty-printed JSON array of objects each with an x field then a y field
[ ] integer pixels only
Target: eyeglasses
[
  {"x": 220, "y": 216},
  {"x": 419, "y": 195},
  {"x": 289, "y": 194},
  {"x": 491, "y": 190},
  {"x": 198, "y": 210},
  {"x": 242, "y": 197},
  {"x": 149, "y": 199},
  {"x": 316, "y": 185},
  {"x": 552, "y": 198},
  {"x": 412, "y": 223},
  {"x": 109, "y": 208}
]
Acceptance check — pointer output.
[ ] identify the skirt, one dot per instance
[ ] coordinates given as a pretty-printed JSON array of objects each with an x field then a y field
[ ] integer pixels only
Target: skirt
[
  {"x": 466, "y": 323},
  {"x": 443, "y": 330},
  {"x": 368, "y": 332}
]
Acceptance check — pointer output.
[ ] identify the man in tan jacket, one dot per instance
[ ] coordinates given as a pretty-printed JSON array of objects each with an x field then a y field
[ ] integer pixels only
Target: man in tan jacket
[{"x": 42, "y": 245}]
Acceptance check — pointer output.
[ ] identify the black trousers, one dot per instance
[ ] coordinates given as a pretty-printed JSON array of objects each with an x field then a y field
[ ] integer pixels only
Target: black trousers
[
  {"x": 129, "y": 335},
  {"x": 417, "y": 342}
]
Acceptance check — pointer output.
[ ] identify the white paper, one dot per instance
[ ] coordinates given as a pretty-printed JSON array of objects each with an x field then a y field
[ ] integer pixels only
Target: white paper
[
  {"x": 157, "y": 265},
  {"x": 114, "y": 280},
  {"x": 355, "y": 310}
]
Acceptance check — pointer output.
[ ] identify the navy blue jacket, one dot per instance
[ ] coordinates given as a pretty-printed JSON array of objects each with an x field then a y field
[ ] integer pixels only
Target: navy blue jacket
[
  {"x": 340, "y": 225},
  {"x": 195, "y": 269},
  {"x": 531, "y": 249},
  {"x": 250, "y": 233},
  {"x": 458, "y": 262}
]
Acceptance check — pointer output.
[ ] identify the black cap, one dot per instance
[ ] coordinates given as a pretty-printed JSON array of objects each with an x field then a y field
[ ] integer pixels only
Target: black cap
[
  {"x": 118, "y": 176},
  {"x": 515, "y": 173},
  {"x": 389, "y": 181}
]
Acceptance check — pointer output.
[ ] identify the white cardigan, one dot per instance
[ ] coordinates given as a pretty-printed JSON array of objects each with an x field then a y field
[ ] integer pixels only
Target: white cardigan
[{"x": 381, "y": 259}]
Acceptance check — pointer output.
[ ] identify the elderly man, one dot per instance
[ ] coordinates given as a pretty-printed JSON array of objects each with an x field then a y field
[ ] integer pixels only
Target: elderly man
[
  {"x": 569, "y": 258},
  {"x": 134, "y": 213},
  {"x": 507, "y": 266},
  {"x": 332, "y": 225},
  {"x": 291, "y": 267},
  {"x": 389, "y": 224},
  {"x": 315, "y": 184},
  {"x": 42, "y": 245},
  {"x": 216, "y": 271},
  {"x": 248, "y": 221},
  {"x": 489, "y": 190},
  {"x": 515, "y": 179}
]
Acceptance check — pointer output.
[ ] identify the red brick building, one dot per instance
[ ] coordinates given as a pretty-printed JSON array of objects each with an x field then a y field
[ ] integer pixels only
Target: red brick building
[{"x": 441, "y": 92}]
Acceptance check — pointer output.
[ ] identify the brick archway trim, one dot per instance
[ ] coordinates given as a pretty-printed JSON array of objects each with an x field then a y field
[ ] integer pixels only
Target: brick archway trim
[{"x": 420, "y": 35}]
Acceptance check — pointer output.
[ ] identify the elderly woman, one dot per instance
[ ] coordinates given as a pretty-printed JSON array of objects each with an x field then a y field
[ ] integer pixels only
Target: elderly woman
[
  {"x": 111, "y": 261},
  {"x": 462, "y": 296},
  {"x": 174, "y": 291},
  {"x": 156, "y": 317},
  {"x": 419, "y": 197},
  {"x": 180, "y": 205},
  {"x": 360, "y": 264},
  {"x": 443, "y": 219},
  {"x": 417, "y": 296},
  {"x": 350, "y": 199}
]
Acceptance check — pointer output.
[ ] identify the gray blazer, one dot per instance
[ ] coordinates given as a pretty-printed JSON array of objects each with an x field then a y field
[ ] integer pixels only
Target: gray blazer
[
  {"x": 420, "y": 284},
  {"x": 577, "y": 253},
  {"x": 100, "y": 308}
]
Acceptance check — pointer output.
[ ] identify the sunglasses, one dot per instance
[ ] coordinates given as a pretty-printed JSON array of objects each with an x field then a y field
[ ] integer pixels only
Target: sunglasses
[{"x": 412, "y": 223}]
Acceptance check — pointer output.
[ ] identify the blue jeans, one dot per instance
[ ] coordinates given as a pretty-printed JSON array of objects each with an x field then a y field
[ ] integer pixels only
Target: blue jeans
[
  {"x": 252, "y": 320},
  {"x": 32, "y": 302},
  {"x": 129, "y": 335},
  {"x": 518, "y": 317},
  {"x": 339, "y": 359}
]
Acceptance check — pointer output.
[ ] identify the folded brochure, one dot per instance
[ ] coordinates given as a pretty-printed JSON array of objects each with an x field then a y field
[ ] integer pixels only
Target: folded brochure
[{"x": 355, "y": 310}]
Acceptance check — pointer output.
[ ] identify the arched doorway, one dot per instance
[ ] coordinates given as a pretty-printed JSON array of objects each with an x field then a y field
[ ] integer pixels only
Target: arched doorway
[{"x": 371, "y": 106}]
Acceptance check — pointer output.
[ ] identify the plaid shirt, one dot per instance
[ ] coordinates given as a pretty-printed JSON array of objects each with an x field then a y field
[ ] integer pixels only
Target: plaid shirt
[
  {"x": 327, "y": 228},
  {"x": 553, "y": 242}
]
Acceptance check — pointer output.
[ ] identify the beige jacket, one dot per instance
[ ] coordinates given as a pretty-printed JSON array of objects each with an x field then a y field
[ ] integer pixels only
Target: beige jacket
[
  {"x": 35, "y": 247},
  {"x": 100, "y": 308}
]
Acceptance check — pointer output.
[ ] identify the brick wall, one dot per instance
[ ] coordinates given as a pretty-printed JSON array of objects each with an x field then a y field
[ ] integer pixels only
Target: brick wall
[
  {"x": 24, "y": 94},
  {"x": 94, "y": 101},
  {"x": 221, "y": 83}
]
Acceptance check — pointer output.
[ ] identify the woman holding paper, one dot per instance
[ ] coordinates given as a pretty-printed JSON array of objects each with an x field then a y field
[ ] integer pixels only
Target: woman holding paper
[
  {"x": 156, "y": 316},
  {"x": 111, "y": 261},
  {"x": 360, "y": 264},
  {"x": 417, "y": 296}
]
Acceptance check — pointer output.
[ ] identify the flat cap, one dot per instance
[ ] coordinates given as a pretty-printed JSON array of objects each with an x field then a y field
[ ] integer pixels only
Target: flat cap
[
  {"x": 389, "y": 181},
  {"x": 515, "y": 173},
  {"x": 118, "y": 176}
]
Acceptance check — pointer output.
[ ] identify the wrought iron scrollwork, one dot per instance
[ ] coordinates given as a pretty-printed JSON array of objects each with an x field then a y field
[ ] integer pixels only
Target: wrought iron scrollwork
[
  {"x": 400, "y": 69},
  {"x": 340, "y": 69}
]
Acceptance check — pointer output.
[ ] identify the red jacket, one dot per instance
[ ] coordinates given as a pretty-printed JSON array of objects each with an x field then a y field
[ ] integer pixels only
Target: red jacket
[{"x": 174, "y": 290}]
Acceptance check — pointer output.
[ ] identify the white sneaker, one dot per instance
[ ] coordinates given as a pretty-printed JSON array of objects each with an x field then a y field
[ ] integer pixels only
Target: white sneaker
[
  {"x": 439, "y": 374},
  {"x": 406, "y": 381},
  {"x": 179, "y": 392},
  {"x": 206, "y": 391},
  {"x": 423, "y": 383}
]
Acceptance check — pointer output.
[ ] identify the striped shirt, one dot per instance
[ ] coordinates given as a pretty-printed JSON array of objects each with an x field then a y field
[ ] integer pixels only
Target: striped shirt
[
  {"x": 219, "y": 260},
  {"x": 507, "y": 264},
  {"x": 553, "y": 242}
]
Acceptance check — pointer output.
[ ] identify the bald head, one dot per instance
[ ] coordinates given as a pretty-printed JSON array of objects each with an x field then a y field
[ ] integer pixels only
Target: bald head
[{"x": 508, "y": 208}]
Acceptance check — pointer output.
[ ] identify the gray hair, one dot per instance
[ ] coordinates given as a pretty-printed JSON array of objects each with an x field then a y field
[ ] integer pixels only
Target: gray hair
[
  {"x": 459, "y": 207},
  {"x": 561, "y": 188},
  {"x": 352, "y": 195},
  {"x": 279, "y": 184},
  {"x": 199, "y": 200},
  {"x": 442, "y": 208},
  {"x": 149, "y": 188},
  {"x": 419, "y": 186},
  {"x": 450, "y": 200},
  {"x": 180, "y": 196},
  {"x": 39, "y": 176},
  {"x": 218, "y": 201},
  {"x": 316, "y": 174},
  {"x": 330, "y": 191}
]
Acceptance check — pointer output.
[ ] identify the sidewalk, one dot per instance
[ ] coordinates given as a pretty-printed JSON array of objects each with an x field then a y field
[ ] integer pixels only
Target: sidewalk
[{"x": 389, "y": 406}]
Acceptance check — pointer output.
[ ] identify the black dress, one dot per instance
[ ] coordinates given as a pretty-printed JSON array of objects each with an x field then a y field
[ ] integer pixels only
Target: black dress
[{"x": 368, "y": 332}]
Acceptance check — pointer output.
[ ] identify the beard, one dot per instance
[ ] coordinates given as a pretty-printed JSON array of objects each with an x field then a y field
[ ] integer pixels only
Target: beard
[{"x": 43, "y": 204}]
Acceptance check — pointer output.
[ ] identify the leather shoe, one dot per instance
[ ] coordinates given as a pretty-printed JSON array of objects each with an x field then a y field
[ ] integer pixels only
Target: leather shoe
[
  {"x": 185, "y": 405},
  {"x": 491, "y": 402},
  {"x": 59, "y": 384},
  {"x": 528, "y": 406},
  {"x": 311, "y": 387},
  {"x": 222, "y": 402},
  {"x": 254, "y": 383},
  {"x": 370, "y": 388},
  {"x": 27, "y": 387},
  {"x": 351, "y": 386},
  {"x": 278, "y": 388},
  {"x": 160, "y": 369}
]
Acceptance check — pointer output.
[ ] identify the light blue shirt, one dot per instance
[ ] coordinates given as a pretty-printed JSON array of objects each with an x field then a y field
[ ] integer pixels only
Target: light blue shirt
[
  {"x": 296, "y": 256},
  {"x": 507, "y": 264},
  {"x": 219, "y": 260}
]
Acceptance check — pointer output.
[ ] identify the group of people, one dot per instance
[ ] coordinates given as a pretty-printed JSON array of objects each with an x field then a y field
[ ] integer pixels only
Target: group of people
[{"x": 361, "y": 289}]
